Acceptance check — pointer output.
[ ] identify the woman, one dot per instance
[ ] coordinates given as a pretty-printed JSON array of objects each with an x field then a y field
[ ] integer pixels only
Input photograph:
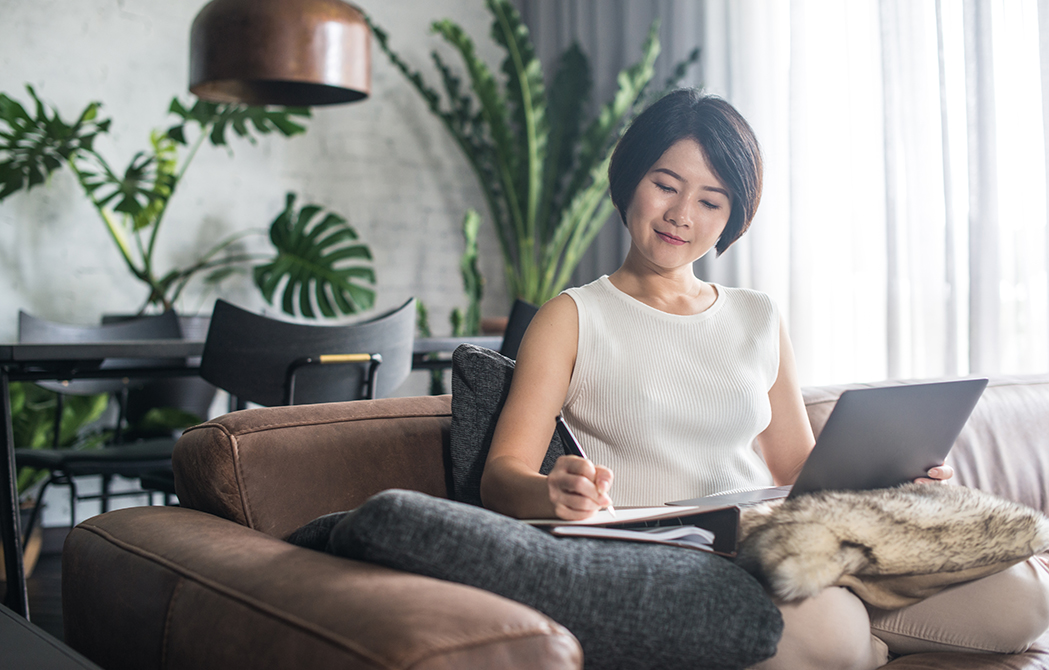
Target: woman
[{"x": 667, "y": 381}]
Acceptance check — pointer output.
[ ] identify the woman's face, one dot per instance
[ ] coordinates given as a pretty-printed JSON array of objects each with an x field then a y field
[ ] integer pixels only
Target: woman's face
[{"x": 679, "y": 208}]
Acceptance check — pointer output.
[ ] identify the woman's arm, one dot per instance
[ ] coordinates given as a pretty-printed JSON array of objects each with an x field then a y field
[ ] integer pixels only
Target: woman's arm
[
  {"x": 511, "y": 483},
  {"x": 787, "y": 441}
]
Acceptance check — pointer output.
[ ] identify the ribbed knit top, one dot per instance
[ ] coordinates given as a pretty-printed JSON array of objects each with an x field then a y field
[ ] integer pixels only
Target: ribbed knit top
[{"x": 672, "y": 403}]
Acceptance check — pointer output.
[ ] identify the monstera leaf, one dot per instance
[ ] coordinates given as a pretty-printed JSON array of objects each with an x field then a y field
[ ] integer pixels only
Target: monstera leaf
[
  {"x": 144, "y": 190},
  {"x": 34, "y": 146},
  {"x": 318, "y": 264},
  {"x": 216, "y": 118}
]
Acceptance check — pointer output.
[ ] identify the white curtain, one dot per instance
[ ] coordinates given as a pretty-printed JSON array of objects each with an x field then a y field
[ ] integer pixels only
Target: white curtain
[{"x": 903, "y": 224}]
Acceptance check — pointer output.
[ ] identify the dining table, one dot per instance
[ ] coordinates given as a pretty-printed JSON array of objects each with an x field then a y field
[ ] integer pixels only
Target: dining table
[{"x": 139, "y": 360}]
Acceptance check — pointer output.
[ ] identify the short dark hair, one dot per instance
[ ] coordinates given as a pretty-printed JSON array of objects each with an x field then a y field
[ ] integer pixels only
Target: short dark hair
[{"x": 727, "y": 141}]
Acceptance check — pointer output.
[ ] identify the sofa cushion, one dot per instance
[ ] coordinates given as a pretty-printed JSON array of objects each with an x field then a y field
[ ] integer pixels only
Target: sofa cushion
[
  {"x": 480, "y": 382},
  {"x": 630, "y": 605}
]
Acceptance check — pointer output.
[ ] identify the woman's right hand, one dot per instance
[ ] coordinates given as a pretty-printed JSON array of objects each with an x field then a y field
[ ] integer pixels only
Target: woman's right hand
[{"x": 578, "y": 488}]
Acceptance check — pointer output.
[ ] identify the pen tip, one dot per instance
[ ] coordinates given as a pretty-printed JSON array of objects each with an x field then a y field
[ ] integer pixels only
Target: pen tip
[{"x": 612, "y": 511}]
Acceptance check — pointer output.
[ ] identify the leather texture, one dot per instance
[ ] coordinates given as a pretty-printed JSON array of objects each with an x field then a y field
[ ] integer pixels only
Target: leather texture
[
  {"x": 275, "y": 469},
  {"x": 185, "y": 589},
  {"x": 213, "y": 585}
]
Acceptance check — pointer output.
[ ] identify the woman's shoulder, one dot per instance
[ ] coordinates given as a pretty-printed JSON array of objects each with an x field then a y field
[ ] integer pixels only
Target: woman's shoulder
[
  {"x": 558, "y": 315},
  {"x": 752, "y": 301},
  {"x": 598, "y": 286}
]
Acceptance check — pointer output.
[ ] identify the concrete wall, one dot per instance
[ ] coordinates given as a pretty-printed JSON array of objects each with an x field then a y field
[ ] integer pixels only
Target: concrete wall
[{"x": 386, "y": 163}]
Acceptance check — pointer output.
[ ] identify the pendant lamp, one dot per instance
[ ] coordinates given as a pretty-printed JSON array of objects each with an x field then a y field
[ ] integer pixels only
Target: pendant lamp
[{"x": 280, "y": 52}]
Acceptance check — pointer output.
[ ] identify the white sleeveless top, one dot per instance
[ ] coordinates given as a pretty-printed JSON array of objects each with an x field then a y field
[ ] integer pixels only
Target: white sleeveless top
[{"x": 672, "y": 403}]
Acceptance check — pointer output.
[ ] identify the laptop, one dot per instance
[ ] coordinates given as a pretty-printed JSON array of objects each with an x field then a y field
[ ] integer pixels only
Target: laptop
[{"x": 875, "y": 438}]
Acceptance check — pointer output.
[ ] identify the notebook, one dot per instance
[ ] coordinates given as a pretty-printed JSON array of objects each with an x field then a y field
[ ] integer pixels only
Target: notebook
[
  {"x": 712, "y": 528},
  {"x": 875, "y": 438}
]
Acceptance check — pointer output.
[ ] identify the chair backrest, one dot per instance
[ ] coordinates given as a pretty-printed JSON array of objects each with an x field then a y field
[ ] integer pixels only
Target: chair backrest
[
  {"x": 520, "y": 316},
  {"x": 248, "y": 355},
  {"x": 35, "y": 330}
]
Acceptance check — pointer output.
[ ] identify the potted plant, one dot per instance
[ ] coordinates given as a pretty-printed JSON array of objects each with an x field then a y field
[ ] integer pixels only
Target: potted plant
[
  {"x": 318, "y": 260},
  {"x": 33, "y": 424},
  {"x": 541, "y": 165}
]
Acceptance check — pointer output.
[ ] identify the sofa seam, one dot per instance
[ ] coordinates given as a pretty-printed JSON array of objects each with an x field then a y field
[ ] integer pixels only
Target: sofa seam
[
  {"x": 167, "y": 622},
  {"x": 516, "y": 632},
  {"x": 242, "y": 598},
  {"x": 231, "y": 439},
  {"x": 994, "y": 384},
  {"x": 260, "y": 428},
  {"x": 245, "y": 504}
]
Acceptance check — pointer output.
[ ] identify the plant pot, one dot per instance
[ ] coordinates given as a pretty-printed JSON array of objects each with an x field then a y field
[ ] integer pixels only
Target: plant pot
[
  {"x": 494, "y": 325},
  {"x": 31, "y": 550}
]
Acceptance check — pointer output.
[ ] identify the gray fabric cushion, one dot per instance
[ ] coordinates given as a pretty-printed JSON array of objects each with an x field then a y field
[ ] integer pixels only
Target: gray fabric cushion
[
  {"x": 315, "y": 534},
  {"x": 480, "y": 382},
  {"x": 631, "y": 605}
]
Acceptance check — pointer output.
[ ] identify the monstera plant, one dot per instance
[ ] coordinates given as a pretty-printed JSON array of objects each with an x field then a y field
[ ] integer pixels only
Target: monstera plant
[
  {"x": 541, "y": 164},
  {"x": 321, "y": 266}
]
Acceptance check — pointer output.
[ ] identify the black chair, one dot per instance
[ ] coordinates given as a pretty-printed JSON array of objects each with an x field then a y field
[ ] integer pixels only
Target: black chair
[
  {"x": 521, "y": 314},
  {"x": 189, "y": 394},
  {"x": 271, "y": 362},
  {"x": 130, "y": 460}
]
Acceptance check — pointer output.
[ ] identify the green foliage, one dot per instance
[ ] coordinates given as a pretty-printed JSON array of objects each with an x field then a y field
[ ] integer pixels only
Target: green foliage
[
  {"x": 132, "y": 203},
  {"x": 164, "y": 421},
  {"x": 543, "y": 168},
  {"x": 214, "y": 119},
  {"x": 316, "y": 263},
  {"x": 469, "y": 323},
  {"x": 33, "y": 422},
  {"x": 464, "y": 324},
  {"x": 145, "y": 187},
  {"x": 34, "y": 146},
  {"x": 422, "y": 326}
]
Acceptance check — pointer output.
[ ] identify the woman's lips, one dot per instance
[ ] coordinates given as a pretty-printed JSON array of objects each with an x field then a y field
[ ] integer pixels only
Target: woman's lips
[{"x": 670, "y": 239}]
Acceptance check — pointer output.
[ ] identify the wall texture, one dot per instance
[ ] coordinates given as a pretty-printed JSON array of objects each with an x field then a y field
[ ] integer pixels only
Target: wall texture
[{"x": 386, "y": 163}]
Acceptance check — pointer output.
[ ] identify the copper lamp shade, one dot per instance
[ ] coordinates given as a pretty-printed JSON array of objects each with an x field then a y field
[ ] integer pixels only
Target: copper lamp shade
[{"x": 280, "y": 52}]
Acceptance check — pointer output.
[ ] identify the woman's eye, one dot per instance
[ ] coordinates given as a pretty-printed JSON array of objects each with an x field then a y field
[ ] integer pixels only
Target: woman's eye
[
  {"x": 710, "y": 205},
  {"x": 664, "y": 188}
]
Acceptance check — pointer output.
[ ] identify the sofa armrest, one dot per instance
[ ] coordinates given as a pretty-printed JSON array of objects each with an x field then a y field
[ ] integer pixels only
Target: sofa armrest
[
  {"x": 274, "y": 469},
  {"x": 166, "y": 587}
]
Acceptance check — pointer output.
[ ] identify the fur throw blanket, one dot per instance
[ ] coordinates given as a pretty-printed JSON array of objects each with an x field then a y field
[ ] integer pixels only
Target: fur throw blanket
[{"x": 892, "y": 547}]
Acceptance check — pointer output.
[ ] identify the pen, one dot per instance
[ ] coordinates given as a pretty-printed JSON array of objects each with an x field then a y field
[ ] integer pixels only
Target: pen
[{"x": 572, "y": 447}]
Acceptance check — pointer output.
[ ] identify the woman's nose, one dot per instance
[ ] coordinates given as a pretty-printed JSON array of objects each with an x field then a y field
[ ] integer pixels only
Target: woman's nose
[{"x": 680, "y": 214}]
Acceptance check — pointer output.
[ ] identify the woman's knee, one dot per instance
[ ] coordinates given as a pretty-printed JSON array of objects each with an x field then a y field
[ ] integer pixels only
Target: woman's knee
[
  {"x": 830, "y": 631},
  {"x": 1003, "y": 613},
  {"x": 1024, "y": 589}
]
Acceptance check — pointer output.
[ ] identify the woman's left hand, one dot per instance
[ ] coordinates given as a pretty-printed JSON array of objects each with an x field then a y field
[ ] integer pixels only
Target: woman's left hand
[{"x": 938, "y": 475}]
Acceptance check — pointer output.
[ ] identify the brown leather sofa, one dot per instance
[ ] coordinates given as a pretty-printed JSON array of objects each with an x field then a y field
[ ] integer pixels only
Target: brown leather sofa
[{"x": 212, "y": 584}]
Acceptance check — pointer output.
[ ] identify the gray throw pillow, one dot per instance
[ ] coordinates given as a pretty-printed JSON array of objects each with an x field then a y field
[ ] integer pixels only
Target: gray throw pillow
[
  {"x": 480, "y": 381},
  {"x": 630, "y": 605}
]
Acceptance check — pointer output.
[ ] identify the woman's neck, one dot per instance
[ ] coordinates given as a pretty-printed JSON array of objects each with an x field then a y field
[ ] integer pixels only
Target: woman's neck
[{"x": 676, "y": 291}]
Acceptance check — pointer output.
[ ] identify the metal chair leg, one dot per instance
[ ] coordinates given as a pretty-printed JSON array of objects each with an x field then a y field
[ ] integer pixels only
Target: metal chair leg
[
  {"x": 107, "y": 480},
  {"x": 72, "y": 502}
]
